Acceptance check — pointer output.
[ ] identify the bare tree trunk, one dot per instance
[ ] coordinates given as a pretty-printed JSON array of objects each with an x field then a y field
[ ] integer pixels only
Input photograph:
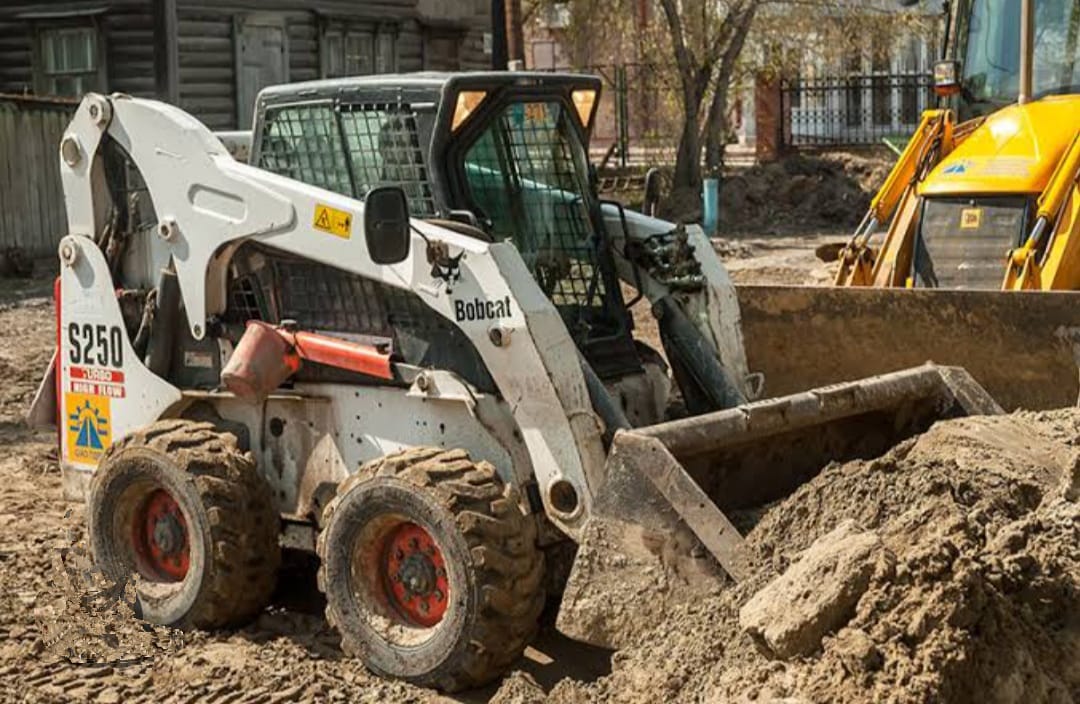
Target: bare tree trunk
[
  {"x": 716, "y": 123},
  {"x": 686, "y": 184},
  {"x": 716, "y": 129},
  {"x": 688, "y": 157}
]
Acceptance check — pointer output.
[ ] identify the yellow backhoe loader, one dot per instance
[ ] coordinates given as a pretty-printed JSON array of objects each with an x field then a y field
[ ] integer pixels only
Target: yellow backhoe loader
[{"x": 983, "y": 199}]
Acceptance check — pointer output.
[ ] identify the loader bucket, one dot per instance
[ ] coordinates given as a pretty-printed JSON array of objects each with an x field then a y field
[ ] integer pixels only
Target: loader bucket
[
  {"x": 664, "y": 524},
  {"x": 1022, "y": 347}
]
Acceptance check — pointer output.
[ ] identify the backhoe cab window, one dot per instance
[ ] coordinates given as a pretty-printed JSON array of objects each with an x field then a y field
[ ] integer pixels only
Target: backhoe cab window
[
  {"x": 990, "y": 48},
  {"x": 527, "y": 174},
  {"x": 349, "y": 148}
]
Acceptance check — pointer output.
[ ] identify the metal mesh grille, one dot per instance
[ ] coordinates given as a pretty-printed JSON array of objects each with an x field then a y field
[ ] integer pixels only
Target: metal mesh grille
[
  {"x": 962, "y": 242},
  {"x": 522, "y": 174},
  {"x": 329, "y": 299},
  {"x": 245, "y": 298},
  {"x": 349, "y": 149},
  {"x": 273, "y": 286},
  {"x": 303, "y": 142},
  {"x": 384, "y": 150}
]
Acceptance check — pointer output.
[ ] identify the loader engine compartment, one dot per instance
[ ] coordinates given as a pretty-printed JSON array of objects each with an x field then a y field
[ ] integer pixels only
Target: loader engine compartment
[{"x": 273, "y": 286}]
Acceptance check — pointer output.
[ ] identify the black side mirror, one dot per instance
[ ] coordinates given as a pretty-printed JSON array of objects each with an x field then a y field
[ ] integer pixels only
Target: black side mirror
[{"x": 386, "y": 224}]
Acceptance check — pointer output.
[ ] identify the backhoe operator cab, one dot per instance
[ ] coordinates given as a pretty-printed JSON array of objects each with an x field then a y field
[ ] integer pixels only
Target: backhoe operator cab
[
  {"x": 986, "y": 44},
  {"x": 504, "y": 157}
]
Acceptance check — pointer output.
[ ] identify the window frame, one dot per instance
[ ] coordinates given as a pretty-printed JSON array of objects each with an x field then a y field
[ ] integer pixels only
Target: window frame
[
  {"x": 374, "y": 31},
  {"x": 454, "y": 34},
  {"x": 98, "y": 73}
]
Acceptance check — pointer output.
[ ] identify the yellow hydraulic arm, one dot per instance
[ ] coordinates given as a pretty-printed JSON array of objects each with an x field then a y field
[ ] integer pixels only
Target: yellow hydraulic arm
[
  {"x": 860, "y": 265},
  {"x": 1059, "y": 216}
]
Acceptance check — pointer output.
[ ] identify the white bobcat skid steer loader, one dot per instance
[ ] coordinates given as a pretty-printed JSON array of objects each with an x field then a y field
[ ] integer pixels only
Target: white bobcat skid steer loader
[{"x": 247, "y": 361}]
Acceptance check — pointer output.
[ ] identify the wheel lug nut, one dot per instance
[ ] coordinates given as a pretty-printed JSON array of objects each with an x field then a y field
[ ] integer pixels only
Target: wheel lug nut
[{"x": 439, "y": 595}]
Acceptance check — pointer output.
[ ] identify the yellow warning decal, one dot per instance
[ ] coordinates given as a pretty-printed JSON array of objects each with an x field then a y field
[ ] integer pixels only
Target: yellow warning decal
[
  {"x": 336, "y": 222},
  {"x": 87, "y": 427},
  {"x": 970, "y": 218}
]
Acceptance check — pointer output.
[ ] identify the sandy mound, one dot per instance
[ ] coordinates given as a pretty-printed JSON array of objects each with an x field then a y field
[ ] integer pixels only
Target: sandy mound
[{"x": 974, "y": 595}]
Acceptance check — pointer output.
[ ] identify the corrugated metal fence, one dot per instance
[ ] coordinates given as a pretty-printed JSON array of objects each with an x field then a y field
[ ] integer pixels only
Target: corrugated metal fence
[{"x": 32, "y": 213}]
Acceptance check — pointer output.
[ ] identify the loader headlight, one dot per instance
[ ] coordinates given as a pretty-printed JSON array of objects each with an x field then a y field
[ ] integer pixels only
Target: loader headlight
[
  {"x": 467, "y": 102},
  {"x": 947, "y": 78}
]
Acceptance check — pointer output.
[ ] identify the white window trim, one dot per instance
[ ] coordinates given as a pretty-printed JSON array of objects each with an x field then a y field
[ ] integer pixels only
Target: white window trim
[{"x": 42, "y": 79}]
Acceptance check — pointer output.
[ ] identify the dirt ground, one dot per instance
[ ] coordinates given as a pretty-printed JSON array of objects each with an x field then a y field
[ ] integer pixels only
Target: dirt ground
[{"x": 973, "y": 594}]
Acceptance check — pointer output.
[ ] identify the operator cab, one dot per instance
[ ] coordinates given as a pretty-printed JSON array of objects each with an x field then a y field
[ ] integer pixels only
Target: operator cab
[
  {"x": 505, "y": 152},
  {"x": 987, "y": 46}
]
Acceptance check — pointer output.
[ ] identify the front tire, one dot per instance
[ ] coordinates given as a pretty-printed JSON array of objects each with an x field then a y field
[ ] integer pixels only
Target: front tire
[
  {"x": 178, "y": 504},
  {"x": 430, "y": 569}
]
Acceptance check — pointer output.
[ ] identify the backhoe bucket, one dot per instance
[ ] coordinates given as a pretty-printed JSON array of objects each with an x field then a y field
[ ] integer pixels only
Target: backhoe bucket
[
  {"x": 1022, "y": 347},
  {"x": 664, "y": 524}
]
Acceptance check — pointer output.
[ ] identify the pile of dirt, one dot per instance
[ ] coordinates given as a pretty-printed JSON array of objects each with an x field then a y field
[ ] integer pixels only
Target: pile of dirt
[
  {"x": 946, "y": 570},
  {"x": 802, "y": 193}
]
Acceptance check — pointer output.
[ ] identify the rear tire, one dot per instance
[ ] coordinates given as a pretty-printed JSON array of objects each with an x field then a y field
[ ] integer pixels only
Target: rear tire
[
  {"x": 430, "y": 569},
  {"x": 178, "y": 504}
]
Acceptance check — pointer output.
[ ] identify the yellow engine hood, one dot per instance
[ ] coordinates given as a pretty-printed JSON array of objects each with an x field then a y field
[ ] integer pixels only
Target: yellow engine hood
[{"x": 1014, "y": 151}]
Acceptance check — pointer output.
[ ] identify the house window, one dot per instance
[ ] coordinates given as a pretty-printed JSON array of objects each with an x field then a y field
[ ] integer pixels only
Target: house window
[
  {"x": 359, "y": 54},
  {"x": 69, "y": 61},
  {"x": 853, "y": 92},
  {"x": 385, "y": 52},
  {"x": 442, "y": 50},
  {"x": 333, "y": 54},
  {"x": 359, "y": 50},
  {"x": 910, "y": 92}
]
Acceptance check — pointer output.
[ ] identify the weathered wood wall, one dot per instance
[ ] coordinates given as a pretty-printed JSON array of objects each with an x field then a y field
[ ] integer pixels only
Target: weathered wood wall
[
  {"x": 32, "y": 215},
  {"x": 198, "y": 59},
  {"x": 127, "y": 27},
  {"x": 206, "y": 39}
]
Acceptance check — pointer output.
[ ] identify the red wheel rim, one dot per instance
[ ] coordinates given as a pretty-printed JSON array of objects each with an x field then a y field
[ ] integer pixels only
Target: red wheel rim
[
  {"x": 160, "y": 537},
  {"x": 415, "y": 575}
]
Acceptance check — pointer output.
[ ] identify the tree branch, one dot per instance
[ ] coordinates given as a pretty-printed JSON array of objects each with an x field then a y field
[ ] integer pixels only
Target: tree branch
[{"x": 682, "y": 55}]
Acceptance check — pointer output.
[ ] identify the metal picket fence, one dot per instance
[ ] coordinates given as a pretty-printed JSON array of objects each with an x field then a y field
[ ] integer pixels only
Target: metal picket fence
[{"x": 853, "y": 110}]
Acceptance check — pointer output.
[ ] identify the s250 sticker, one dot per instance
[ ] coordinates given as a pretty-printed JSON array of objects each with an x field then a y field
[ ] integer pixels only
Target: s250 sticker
[{"x": 100, "y": 345}]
